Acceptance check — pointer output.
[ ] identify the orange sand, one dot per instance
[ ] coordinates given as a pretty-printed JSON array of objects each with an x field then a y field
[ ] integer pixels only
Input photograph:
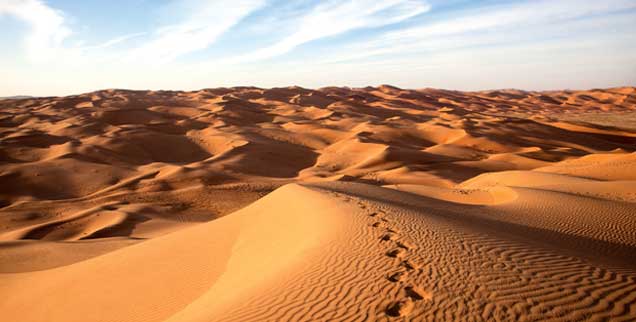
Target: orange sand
[{"x": 290, "y": 204}]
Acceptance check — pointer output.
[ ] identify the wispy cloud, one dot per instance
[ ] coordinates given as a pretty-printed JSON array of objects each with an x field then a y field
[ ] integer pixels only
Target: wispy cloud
[
  {"x": 48, "y": 28},
  {"x": 469, "y": 27},
  {"x": 530, "y": 12},
  {"x": 115, "y": 41},
  {"x": 336, "y": 17},
  {"x": 204, "y": 24}
]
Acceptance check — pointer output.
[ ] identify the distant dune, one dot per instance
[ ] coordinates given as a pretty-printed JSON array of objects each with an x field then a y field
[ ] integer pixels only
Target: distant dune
[
  {"x": 16, "y": 97},
  {"x": 292, "y": 204}
]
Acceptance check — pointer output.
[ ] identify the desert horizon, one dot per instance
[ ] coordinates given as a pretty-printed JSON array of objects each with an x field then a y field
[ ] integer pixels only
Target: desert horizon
[
  {"x": 526, "y": 90},
  {"x": 432, "y": 160}
]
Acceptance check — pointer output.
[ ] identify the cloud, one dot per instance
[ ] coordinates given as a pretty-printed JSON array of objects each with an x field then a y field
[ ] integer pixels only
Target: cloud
[
  {"x": 469, "y": 27},
  {"x": 533, "y": 12},
  {"x": 335, "y": 17},
  {"x": 204, "y": 24},
  {"x": 48, "y": 28},
  {"x": 116, "y": 41}
]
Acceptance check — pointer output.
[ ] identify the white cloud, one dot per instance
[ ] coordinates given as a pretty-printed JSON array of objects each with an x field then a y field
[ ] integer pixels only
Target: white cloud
[
  {"x": 336, "y": 17},
  {"x": 48, "y": 28},
  {"x": 533, "y": 12},
  {"x": 206, "y": 22},
  {"x": 471, "y": 25},
  {"x": 116, "y": 41}
]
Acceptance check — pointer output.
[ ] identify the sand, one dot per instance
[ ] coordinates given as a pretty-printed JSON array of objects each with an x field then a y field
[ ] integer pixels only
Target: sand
[{"x": 336, "y": 204}]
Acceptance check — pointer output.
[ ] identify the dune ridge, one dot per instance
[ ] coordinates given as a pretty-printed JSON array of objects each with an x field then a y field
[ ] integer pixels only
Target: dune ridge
[{"x": 293, "y": 204}]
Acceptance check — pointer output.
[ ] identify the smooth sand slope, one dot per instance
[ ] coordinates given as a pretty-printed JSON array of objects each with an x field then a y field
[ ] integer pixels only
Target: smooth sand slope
[{"x": 337, "y": 204}]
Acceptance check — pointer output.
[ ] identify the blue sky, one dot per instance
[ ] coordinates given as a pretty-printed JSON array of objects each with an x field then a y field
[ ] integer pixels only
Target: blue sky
[{"x": 61, "y": 47}]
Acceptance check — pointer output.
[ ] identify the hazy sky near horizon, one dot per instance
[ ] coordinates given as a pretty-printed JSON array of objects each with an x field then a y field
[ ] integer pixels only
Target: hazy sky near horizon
[{"x": 61, "y": 47}]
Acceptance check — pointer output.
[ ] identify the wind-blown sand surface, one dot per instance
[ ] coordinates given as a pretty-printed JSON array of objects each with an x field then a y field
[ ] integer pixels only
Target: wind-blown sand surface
[{"x": 290, "y": 204}]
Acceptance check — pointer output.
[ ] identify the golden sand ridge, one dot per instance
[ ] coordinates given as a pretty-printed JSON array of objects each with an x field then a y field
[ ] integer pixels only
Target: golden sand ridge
[{"x": 335, "y": 204}]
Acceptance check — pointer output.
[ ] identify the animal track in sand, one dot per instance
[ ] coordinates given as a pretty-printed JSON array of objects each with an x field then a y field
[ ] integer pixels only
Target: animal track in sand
[
  {"x": 400, "y": 308},
  {"x": 404, "y": 244},
  {"x": 377, "y": 214},
  {"x": 396, "y": 253},
  {"x": 417, "y": 293},
  {"x": 388, "y": 237},
  {"x": 397, "y": 276},
  {"x": 404, "y": 307},
  {"x": 379, "y": 224},
  {"x": 393, "y": 230},
  {"x": 409, "y": 265}
]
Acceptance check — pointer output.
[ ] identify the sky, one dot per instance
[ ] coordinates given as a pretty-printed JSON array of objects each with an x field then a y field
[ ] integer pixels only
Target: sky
[{"x": 64, "y": 47}]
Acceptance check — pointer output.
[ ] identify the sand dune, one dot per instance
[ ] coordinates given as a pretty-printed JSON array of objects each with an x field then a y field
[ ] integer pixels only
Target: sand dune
[{"x": 291, "y": 204}]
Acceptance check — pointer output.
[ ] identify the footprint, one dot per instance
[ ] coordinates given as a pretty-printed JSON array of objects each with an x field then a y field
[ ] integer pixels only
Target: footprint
[
  {"x": 409, "y": 265},
  {"x": 396, "y": 253},
  {"x": 417, "y": 293},
  {"x": 403, "y": 244},
  {"x": 400, "y": 308},
  {"x": 393, "y": 230},
  {"x": 388, "y": 237},
  {"x": 377, "y": 215},
  {"x": 397, "y": 276},
  {"x": 379, "y": 224}
]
